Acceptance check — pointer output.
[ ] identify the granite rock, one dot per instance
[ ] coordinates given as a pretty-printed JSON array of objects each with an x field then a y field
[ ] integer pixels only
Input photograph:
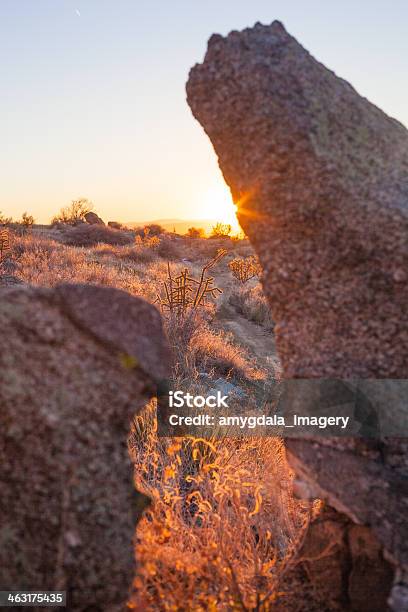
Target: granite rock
[{"x": 77, "y": 362}]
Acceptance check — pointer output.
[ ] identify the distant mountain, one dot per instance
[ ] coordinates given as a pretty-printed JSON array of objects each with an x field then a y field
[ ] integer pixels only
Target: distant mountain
[{"x": 179, "y": 225}]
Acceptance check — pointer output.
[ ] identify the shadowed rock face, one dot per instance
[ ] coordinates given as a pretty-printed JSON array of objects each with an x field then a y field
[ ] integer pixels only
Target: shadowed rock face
[
  {"x": 320, "y": 177},
  {"x": 76, "y": 363},
  {"x": 93, "y": 219}
]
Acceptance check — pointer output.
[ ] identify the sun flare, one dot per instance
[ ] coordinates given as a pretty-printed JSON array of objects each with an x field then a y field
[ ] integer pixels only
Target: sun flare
[{"x": 217, "y": 204}]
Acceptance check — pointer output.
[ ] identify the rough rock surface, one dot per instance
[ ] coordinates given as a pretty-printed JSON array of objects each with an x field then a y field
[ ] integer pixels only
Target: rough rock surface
[
  {"x": 345, "y": 565},
  {"x": 93, "y": 219},
  {"x": 320, "y": 178},
  {"x": 9, "y": 279},
  {"x": 76, "y": 363}
]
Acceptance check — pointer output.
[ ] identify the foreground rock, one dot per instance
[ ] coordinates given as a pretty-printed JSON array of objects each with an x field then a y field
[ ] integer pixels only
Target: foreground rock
[
  {"x": 76, "y": 363},
  {"x": 320, "y": 178}
]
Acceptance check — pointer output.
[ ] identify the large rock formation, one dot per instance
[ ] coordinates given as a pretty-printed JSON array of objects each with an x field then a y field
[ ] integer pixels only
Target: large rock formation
[
  {"x": 76, "y": 363},
  {"x": 320, "y": 178}
]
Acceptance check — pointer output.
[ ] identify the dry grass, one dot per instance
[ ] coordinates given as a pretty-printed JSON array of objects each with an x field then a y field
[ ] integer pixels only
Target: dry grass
[
  {"x": 137, "y": 254},
  {"x": 48, "y": 262},
  {"x": 85, "y": 235},
  {"x": 215, "y": 351},
  {"x": 138, "y": 270},
  {"x": 253, "y": 305},
  {"x": 169, "y": 249},
  {"x": 224, "y": 526}
]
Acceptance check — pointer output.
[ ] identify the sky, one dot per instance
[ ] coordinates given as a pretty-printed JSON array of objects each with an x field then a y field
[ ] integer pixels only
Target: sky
[{"x": 93, "y": 95}]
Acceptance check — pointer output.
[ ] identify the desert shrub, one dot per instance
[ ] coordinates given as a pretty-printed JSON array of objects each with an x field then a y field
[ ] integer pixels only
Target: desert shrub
[
  {"x": 147, "y": 241},
  {"x": 139, "y": 231},
  {"x": 27, "y": 220},
  {"x": 153, "y": 229},
  {"x": 245, "y": 268},
  {"x": 74, "y": 212},
  {"x": 182, "y": 292},
  {"x": 24, "y": 225},
  {"x": 85, "y": 235},
  {"x": 224, "y": 527},
  {"x": 5, "y": 220},
  {"x": 221, "y": 230},
  {"x": 253, "y": 305},
  {"x": 195, "y": 232},
  {"x": 165, "y": 246}
]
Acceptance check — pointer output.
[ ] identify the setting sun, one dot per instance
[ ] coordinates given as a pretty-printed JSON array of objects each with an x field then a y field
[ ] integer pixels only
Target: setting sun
[{"x": 217, "y": 204}]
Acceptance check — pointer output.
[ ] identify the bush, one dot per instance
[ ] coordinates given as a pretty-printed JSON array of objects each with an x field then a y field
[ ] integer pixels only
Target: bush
[
  {"x": 24, "y": 225},
  {"x": 148, "y": 242},
  {"x": 27, "y": 220},
  {"x": 5, "y": 220},
  {"x": 153, "y": 229},
  {"x": 89, "y": 235},
  {"x": 74, "y": 212},
  {"x": 245, "y": 268},
  {"x": 221, "y": 230},
  {"x": 195, "y": 232}
]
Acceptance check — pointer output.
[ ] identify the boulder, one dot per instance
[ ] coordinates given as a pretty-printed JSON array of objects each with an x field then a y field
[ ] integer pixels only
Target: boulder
[
  {"x": 319, "y": 176},
  {"x": 77, "y": 362},
  {"x": 93, "y": 219}
]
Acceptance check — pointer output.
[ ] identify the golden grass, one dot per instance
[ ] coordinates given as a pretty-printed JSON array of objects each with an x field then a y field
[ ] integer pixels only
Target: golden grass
[
  {"x": 214, "y": 350},
  {"x": 252, "y": 304},
  {"x": 224, "y": 526}
]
